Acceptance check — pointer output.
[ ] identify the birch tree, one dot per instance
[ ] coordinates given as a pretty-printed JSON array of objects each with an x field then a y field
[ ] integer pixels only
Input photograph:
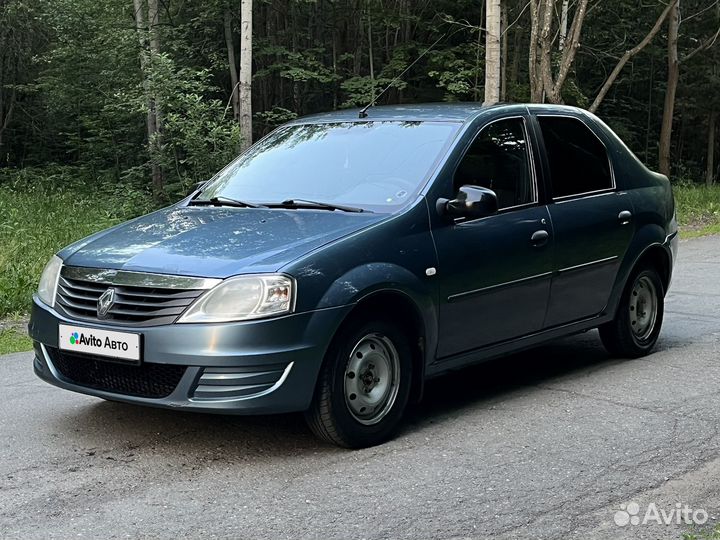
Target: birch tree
[
  {"x": 492, "y": 51},
  {"x": 245, "y": 78},
  {"x": 544, "y": 84}
]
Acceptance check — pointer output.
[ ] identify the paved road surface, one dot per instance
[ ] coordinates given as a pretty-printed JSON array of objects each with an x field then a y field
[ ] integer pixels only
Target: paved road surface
[{"x": 547, "y": 444}]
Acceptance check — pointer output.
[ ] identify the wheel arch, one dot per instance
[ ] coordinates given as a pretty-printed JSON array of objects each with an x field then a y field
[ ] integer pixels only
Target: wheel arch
[
  {"x": 647, "y": 248},
  {"x": 657, "y": 256},
  {"x": 401, "y": 308}
]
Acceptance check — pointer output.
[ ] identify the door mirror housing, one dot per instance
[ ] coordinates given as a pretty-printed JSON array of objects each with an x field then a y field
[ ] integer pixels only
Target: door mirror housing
[{"x": 471, "y": 202}]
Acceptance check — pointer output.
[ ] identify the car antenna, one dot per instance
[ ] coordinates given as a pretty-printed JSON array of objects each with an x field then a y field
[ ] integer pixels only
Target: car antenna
[{"x": 363, "y": 111}]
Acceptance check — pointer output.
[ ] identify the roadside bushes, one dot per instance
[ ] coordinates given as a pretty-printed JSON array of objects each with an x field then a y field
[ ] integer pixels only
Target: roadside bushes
[{"x": 45, "y": 209}]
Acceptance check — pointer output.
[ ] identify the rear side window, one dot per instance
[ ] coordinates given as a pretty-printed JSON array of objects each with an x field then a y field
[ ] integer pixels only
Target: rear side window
[{"x": 578, "y": 160}]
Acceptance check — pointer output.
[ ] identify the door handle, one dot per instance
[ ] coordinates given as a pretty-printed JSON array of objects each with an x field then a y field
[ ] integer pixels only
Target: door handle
[
  {"x": 624, "y": 217},
  {"x": 539, "y": 238}
]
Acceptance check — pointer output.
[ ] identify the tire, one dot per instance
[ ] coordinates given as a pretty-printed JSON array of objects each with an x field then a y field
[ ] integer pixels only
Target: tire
[
  {"x": 636, "y": 327},
  {"x": 364, "y": 384}
]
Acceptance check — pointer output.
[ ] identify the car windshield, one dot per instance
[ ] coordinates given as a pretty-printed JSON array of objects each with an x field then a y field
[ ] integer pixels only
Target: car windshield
[{"x": 376, "y": 166}]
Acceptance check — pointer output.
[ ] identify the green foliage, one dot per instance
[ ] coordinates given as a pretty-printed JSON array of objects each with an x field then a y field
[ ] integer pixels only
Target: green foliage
[
  {"x": 199, "y": 136},
  {"x": 275, "y": 116},
  {"x": 697, "y": 206},
  {"x": 459, "y": 71},
  {"x": 700, "y": 533},
  {"x": 44, "y": 211},
  {"x": 12, "y": 341},
  {"x": 72, "y": 68}
]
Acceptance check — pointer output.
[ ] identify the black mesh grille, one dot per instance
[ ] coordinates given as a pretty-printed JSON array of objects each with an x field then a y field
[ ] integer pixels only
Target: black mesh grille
[
  {"x": 134, "y": 306},
  {"x": 145, "y": 380}
]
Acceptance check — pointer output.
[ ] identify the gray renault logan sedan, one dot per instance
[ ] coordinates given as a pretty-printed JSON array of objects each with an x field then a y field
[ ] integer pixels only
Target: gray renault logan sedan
[{"x": 343, "y": 260}]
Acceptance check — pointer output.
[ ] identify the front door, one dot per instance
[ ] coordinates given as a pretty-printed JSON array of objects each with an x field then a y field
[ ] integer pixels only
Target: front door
[{"x": 494, "y": 273}]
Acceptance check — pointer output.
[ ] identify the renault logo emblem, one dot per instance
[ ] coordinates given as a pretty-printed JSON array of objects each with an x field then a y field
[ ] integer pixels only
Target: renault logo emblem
[{"x": 105, "y": 302}]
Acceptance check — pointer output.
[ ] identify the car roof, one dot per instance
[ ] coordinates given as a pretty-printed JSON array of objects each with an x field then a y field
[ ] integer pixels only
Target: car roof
[{"x": 447, "y": 112}]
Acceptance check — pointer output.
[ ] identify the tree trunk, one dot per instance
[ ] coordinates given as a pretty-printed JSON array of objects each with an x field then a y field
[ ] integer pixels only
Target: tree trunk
[
  {"x": 492, "y": 52},
  {"x": 516, "y": 54},
  {"x": 672, "y": 82},
  {"x": 246, "y": 73},
  {"x": 158, "y": 177},
  {"x": 232, "y": 64},
  {"x": 710, "y": 169},
  {"x": 536, "y": 86},
  {"x": 151, "y": 118},
  {"x": 567, "y": 58},
  {"x": 563, "y": 23},
  {"x": 628, "y": 55},
  {"x": 546, "y": 75},
  {"x": 504, "y": 51}
]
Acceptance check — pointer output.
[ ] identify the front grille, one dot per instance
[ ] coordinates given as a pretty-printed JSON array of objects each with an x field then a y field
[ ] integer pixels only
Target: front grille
[
  {"x": 218, "y": 383},
  {"x": 134, "y": 305},
  {"x": 145, "y": 380}
]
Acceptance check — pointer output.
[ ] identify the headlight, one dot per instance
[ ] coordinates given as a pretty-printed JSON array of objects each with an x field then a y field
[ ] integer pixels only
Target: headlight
[
  {"x": 242, "y": 298},
  {"x": 49, "y": 280}
]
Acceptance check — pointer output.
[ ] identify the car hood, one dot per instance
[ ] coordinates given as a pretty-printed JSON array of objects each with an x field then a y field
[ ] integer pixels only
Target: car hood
[{"x": 213, "y": 242}]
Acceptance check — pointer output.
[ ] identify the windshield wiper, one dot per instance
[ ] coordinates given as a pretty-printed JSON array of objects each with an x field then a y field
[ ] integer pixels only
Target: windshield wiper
[
  {"x": 225, "y": 201},
  {"x": 305, "y": 203}
]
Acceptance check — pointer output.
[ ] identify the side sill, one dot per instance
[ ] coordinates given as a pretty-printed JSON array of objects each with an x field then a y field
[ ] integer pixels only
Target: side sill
[{"x": 490, "y": 352}]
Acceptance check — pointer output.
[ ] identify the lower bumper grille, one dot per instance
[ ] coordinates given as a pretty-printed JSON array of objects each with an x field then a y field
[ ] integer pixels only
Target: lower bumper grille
[
  {"x": 145, "y": 380},
  {"x": 239, "y": 382}
]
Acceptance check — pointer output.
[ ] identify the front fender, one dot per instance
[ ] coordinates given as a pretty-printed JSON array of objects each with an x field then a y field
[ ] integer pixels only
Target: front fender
[
  {"x": 369, "y": 279},
  {"x": 366, "y": 279}
]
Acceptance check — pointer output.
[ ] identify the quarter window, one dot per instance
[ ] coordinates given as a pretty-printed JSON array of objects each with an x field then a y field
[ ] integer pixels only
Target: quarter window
[
  {"x": 499, "y": 159},
  {"x": 578, "y": 160}
]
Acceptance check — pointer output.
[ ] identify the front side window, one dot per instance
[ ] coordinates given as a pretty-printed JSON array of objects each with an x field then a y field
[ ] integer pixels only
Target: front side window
[
  {"x": 378, "y": 166},
  {"x": 499, "y": 159},
  {"x": 578, "y": 160}
]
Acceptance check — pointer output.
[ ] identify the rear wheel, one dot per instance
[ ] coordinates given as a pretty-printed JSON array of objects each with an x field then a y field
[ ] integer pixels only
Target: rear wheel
[
  {"x": 636, "y": 327},
  {"x": 364, "y": 384}
]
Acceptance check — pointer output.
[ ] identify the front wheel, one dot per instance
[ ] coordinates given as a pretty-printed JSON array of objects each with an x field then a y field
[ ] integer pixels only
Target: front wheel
[
  {"x": 636, "y": 327},
  {"x": 364, "y": 384}
]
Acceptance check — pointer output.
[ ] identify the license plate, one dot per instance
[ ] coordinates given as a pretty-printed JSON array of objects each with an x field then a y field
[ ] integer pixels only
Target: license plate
[{"x": 108, "y": 343}]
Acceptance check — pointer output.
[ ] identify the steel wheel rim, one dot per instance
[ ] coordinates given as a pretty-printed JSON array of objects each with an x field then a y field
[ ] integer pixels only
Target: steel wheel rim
[
  {"x": 371, "y": 378},
  {"x": 643, "y": 308}
]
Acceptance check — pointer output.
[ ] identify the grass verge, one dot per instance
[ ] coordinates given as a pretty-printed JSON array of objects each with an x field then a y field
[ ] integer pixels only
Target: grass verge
[
  {"x": 12, "y": 341},
  {"x": 698, "y": 210},
  {"x": 40, "y": 215},
  {"x": 710, "y": 533}
]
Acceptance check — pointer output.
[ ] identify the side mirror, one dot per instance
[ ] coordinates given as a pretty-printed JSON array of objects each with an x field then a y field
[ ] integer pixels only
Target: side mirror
[{"x": 471, "y": 202}]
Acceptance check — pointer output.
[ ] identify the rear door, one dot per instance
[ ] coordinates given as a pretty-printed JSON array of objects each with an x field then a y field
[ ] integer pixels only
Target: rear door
[{"x": 591, "y": 219}]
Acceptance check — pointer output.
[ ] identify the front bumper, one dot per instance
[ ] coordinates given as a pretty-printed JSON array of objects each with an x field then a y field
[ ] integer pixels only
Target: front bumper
[{"x": 253, "y": 367}]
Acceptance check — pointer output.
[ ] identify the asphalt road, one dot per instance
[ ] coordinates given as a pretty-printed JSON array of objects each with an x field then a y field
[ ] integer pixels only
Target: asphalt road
[{"x": 546, "y": 444}]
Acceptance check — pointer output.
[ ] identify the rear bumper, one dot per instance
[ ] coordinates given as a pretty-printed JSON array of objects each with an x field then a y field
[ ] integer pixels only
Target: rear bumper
[
  {"x": 672, "y": 242},
  {"x": 254, "y": 367}
]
